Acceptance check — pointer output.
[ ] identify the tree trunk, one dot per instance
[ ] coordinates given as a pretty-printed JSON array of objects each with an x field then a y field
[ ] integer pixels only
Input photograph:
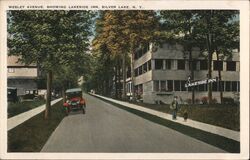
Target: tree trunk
[
  {"x": 124, "y": 73},
  {"x": 119, "y": 80},
  {"x": 116, "y": 89},
  {"x": 192, "y": 73},
  {"x": 132, "y": 74},
  {"x": 63, "y": 94},
  {"x": 219, "y": 76},
  {"x": 210, "y": 52},
  {"x": 48, "y": 96},
  {"x": 105, "y": 87},
  {"x": 109, "y": 86},
  {"x": 209, "y": 69}
]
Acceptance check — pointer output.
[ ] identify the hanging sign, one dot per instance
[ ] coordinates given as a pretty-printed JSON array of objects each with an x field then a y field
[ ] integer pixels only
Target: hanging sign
[{"x": 200, "y": 82}]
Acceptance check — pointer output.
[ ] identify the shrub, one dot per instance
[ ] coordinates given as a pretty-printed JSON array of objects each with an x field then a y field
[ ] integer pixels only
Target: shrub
[
  {"x": 197, "y": 101},
  {"x": 204, "y": 100},
  {"x": 28, "y": 96},
  {"x": 189, "y": 101},
  {"x": 214, "y": 101},
  {"x": 228, "y": 100}
]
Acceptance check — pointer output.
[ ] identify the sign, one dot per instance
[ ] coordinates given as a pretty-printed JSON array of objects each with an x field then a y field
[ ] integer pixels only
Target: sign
[{"x": 200, "y": 82}]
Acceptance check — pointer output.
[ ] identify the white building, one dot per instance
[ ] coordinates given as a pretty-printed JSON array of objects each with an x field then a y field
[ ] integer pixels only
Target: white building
[
  {"x": 20, "y": 76},
  {"x": 161, "y": 73}
]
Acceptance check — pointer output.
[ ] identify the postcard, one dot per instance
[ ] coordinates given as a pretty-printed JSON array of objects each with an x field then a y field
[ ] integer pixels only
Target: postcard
[{"x": 116, "y": 79}]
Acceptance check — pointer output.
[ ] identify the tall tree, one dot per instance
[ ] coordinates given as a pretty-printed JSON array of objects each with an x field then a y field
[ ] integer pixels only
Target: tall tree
[
  {"x": 50, "y": 38},
  {"x": 109, "y": 27},
  {"x": 140, "y": 28},
  {"x": 214, "y": 31},
  {"x": 226, "y": 39},
  {"x": 123, "y": 32},
  {"x": 180, "y": 26},
  {"x": 220, "y": 29}
]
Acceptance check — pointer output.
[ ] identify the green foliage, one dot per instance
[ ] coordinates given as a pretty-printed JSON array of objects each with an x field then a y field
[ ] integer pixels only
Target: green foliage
[
  {"x": 213, "y": 31},
  {"x": 49, "y": 38},
  {"x": 52, "y": 39},
  {"x": 118, "y": 34},
  {"x": 223, "y": 26},
  {"x": 190, "y": 27}
]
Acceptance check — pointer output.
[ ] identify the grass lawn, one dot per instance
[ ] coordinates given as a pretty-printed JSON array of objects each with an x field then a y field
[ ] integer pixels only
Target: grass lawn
[
  {"x": 20, "y": 107},
  {"x": 227, "y": 116},
  {"x": 33, "y": 134}
]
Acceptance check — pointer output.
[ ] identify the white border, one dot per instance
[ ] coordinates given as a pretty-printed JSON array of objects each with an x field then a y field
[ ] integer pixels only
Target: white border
[{"x": 243, "y": 6}]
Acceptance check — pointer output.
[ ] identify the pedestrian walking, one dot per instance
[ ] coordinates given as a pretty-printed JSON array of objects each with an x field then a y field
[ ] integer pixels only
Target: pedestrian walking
[{"x": 174, "y": 106}]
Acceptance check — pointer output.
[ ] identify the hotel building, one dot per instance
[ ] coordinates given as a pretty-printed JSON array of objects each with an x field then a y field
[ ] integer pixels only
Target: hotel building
[{"x": 162, "y": 72}]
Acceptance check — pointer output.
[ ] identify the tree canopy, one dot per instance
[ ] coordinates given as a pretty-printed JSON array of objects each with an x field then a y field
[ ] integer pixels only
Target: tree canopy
[{"x": 51, "y": 39}]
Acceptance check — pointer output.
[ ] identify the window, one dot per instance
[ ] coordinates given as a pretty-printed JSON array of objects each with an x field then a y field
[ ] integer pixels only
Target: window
[
  {"x": 145, "y": 69},
  {"x": 129, "y": 72},
  {"x": 215, "y": 86},
  {"x": 127, "y": 88},
  {"x": 136, "y": 56},
  {"x": 181, "y": 64},
  {"x": 183, "y": 88},
  {"x": 194, "y": 63},
  {"x": 136, "y": 89},
  {"x": 136, "y": 72},
  {"x": 156, "y": 86},
  {"x": 140, "y": 89},
  {"x": 202, "y": 87},
  {"x": 140, "y": 70},
  {"x": 177, "y": 85},
  {"x": 221, "y": 86},
  {"x": 158, "y": 64},
  {"x": 145, "y": 48},
  {"x": 228, "y": 86},
  {"x": 234, "y": 86},
  {"x": 231, "y": 66},
  {"x": 163, "y": 86},
  {"x": 140, "y": 53},
  {"x": 169, "y": 85},
  {"x": 149, "y": 65},
  {"x": 218, "y": 65},
  {"x": 203, "y": 65},
  {"x": 238, "y": 86},
  {"x": 11, "y": 70},
  {"x": 168, "y": 64}
]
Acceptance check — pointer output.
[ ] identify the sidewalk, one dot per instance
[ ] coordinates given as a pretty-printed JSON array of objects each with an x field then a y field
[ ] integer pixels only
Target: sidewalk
[
  {"x": 20, "y": 118},
  {"x": 234, "y": 135}
]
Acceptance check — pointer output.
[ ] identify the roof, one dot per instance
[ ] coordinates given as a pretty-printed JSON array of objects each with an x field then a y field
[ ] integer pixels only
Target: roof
[
  {"x": 13, "y": 61},
  {"x": 11, "y": 88},
  {"x": 21, "y": 77},
  {"x": 73, "y": 90}
]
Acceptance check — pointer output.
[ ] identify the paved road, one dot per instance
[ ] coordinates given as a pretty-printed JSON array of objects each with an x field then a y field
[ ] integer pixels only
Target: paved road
[{"x": 106, "y": 128}]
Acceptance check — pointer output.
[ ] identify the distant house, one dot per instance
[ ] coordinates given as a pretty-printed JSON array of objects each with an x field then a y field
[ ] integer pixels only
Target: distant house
[{"x": 21, "y": 76}]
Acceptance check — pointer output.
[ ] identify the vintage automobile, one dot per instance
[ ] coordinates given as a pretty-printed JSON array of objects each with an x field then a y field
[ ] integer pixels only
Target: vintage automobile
[
  {"x": 12, "y": 94},
  {"x": 74, "y": 101}
]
